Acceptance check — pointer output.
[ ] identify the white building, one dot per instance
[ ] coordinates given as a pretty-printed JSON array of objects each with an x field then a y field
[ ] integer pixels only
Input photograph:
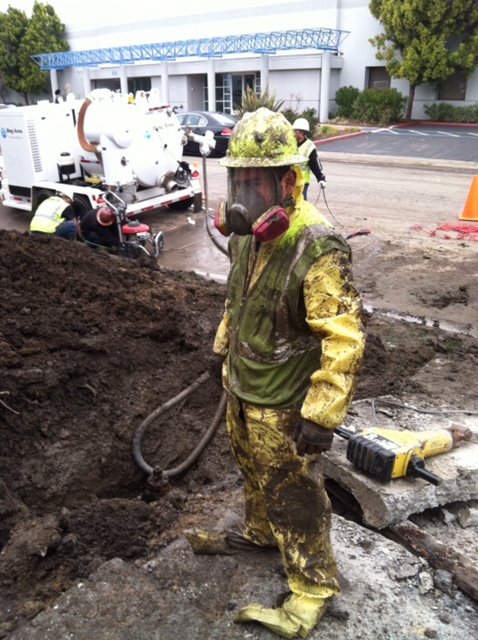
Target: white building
[{"x": 305, "y": 77}]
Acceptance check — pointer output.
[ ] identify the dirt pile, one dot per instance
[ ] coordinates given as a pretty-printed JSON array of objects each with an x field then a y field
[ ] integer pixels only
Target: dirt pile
[{"x": 90, "y": 346}]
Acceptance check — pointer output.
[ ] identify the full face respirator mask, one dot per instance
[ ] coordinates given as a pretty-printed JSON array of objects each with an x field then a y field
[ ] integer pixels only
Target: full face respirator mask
[{"x": 253, "y": 206}]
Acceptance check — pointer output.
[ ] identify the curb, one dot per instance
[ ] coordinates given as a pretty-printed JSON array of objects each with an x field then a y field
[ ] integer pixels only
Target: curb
[
  {"x": 451, "y": 166},
  {"x": 399, "y": 161},
  {"x": 356, "y": 134}
]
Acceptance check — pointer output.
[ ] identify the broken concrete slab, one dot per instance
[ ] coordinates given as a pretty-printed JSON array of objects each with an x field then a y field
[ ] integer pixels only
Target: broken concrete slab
[
  {"x": 386, "y": 503},
  {"x": 167, "y": 597}
]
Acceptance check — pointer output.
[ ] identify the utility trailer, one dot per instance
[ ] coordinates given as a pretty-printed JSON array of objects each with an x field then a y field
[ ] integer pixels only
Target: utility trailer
[{"x": 87, "y": 148}]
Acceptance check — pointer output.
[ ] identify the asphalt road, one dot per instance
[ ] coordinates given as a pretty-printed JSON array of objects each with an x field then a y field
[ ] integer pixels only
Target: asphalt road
[
  {"x": 440, "y": 142},
  {"x": 384, "y": 179}
]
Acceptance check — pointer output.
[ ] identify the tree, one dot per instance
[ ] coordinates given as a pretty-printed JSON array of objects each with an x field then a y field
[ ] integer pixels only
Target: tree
[
  {"x": 426, "y": 40},
  {"x": 13, "y": 26},
  {"x": 20, "y": 38}
]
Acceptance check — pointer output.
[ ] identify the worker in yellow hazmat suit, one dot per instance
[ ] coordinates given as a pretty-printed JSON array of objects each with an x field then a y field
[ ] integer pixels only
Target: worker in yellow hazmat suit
[{"x": 291, "y": 342}]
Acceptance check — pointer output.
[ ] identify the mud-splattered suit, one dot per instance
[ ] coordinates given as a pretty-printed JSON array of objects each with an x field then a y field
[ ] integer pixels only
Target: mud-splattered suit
[{"x": 293, "y": 339}]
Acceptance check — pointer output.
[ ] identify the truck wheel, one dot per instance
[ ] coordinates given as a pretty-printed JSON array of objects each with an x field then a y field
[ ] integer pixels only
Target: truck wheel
[
  {"x": 197, "y": 202},
  {"x": 43, "y": 195},
  {"x": 81, "y": 205},
  {"x": 182, "y": 205}
]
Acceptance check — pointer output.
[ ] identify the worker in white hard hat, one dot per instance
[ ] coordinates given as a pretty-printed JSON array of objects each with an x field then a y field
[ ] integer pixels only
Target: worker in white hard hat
[
  {"x": 288, "y": 350},
  {"x": 307, "y": 148}
]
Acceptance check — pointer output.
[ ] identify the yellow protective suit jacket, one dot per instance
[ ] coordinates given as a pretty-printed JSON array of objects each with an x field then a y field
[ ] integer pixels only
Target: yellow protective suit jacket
[{"x": 333, "y": 315}]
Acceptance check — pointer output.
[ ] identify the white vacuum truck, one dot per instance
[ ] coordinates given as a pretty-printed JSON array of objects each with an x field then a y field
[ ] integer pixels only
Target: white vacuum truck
[{"x": 93, "y": 148}]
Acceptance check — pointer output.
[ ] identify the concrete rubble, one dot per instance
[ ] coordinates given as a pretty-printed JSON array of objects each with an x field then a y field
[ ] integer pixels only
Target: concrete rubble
[
  {"x": 386, "y": 503},
  {"x": 167, "y": 598}
]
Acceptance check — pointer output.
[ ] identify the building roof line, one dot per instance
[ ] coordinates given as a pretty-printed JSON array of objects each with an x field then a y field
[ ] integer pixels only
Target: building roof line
[{"x": 259, "y": 43}]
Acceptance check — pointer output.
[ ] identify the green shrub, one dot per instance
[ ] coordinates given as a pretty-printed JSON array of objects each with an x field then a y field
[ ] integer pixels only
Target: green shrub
[
  {"x": 379, "y": 107},
  {"x": 251, "y": 101},
  {"x": 469, "y": 113},
  {"x": 312, "y": 118},
  {"x": 309, "y": 114},
  {"x": 441, "y": 112},
  {"x": 446, "y": 112},
  {"x": 345, "y": 98},
  {"x": 329, "y": 131},
  {"x": 290, "y": 115}
]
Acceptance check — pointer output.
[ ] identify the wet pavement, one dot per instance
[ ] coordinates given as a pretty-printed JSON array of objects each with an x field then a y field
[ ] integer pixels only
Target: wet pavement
[
  {"x": 188, "y": 245},
  {"x": 436, "y": 141}
]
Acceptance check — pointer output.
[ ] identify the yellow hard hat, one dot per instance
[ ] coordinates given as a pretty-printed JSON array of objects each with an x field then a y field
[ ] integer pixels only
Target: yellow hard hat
[{"x": 262, "y": 138}]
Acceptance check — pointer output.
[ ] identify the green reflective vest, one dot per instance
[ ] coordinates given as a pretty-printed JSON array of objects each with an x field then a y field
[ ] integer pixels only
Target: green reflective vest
[{"x": 272, "y": 351}]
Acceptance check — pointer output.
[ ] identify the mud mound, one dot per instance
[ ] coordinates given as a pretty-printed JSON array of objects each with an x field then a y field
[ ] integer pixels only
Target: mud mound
[{"x": 91, "y": 345}]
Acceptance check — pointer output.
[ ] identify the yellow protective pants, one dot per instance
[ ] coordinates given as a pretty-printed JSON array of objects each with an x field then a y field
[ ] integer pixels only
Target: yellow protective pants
[{"x": 286, "y": 502}]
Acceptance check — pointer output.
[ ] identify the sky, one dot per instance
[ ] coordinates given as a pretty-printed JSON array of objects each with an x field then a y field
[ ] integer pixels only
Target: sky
[
  {"x": 168, "y": 21},
  {"x": 100, "y": 24},
  {"x": 82, "y": 13}
]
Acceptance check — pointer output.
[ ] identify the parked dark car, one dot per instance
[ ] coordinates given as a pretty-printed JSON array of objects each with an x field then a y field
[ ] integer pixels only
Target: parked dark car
[{"x": 221, "y": 125}]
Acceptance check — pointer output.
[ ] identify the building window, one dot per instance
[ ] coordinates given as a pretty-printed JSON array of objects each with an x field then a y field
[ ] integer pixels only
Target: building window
[
  {"x": 258, "y": 84},
  {"x": 230, "y": 87},
  {"x": 223, "y": 93},
  {"x": 113, "y": 84},
  {"x": 378, "y": 78},
  {"x": 454, "y": 87},
  {"x": 240, "y": 84},
  {"x": 139, "y": 84}
]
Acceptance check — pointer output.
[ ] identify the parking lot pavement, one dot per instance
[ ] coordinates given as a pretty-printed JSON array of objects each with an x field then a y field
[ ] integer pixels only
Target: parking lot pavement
[{"x": 425, "y": 141}]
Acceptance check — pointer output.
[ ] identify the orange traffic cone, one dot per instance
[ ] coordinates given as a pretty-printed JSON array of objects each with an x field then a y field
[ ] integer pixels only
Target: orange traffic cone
[{"x": 470, "y": 212}]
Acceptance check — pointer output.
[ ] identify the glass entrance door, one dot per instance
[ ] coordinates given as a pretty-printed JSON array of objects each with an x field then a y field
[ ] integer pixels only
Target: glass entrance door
[{"x": 239, "y": 85}]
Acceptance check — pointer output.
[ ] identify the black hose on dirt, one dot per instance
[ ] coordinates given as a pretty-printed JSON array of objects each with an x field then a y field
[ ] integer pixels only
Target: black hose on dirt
[{"x": 163, "y": 409}]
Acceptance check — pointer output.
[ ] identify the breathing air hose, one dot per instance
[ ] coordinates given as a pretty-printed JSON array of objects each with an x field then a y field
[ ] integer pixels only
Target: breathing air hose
[
  {"x": 138, "y": 438},
  {"x": 206, "y": 210},
  {"x": 213, "y": 237}
]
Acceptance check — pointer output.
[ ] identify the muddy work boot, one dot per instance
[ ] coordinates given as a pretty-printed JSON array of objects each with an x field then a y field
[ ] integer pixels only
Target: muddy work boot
[
  {"x": 222, "y": 543},
  {"x": 296, "y": 618}
]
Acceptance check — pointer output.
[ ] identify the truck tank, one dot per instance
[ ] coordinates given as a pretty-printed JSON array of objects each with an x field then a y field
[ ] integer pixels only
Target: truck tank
[
  {"x": 101, "y": 144},
  {"x": 128, "y": 142}
]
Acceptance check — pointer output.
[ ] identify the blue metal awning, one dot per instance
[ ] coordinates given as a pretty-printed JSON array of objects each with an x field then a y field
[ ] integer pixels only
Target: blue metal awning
[{"x": 268, "y": 43}]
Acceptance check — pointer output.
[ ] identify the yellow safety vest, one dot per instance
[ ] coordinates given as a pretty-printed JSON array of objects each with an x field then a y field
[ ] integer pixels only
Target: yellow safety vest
[
  {"x": 306, "y": 149},
  {"x": 48, "y": 215}
]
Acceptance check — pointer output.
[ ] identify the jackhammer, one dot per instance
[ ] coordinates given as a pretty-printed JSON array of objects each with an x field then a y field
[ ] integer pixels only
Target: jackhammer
[{"x": 388, "y": 454}]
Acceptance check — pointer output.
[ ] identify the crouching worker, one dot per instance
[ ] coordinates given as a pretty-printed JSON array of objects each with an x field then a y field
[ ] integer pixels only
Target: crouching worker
[
  {"x": 99, "y": 228},
  {"x": 291, "y": 341},
  {"x": 56, "y": 216}
]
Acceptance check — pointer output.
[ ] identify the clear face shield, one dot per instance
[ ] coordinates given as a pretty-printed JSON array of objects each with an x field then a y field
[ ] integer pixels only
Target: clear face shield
[{"x": 254, "y": 204}]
